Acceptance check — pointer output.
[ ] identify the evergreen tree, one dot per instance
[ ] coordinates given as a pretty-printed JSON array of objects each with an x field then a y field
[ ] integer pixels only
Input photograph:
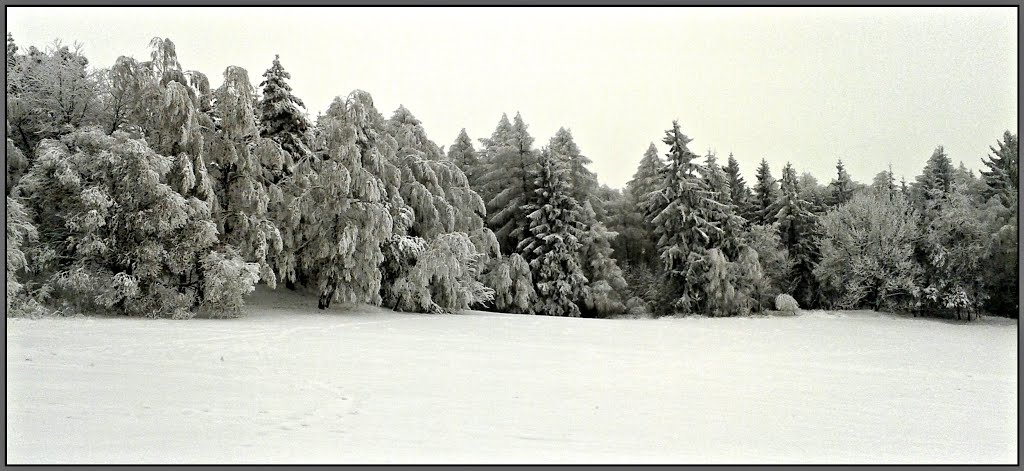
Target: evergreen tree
[
  {"x": 20, "y": 233},
  {"x": 685, "y": 218},
  {"x": 553, "y": 244},
  {"x": 601, "y": 270},
  {"x": 738, "y": 191},
  {"x": 583, "y": 183},
  {"x": 280, "y": 115},
  {"x": 467, "y": 158},
  {"x": 511, "y": 179},
  {"x": 937, "y": 179},
  {"x": 1001, "y": 176},
  {"x": 766, "y": 192},
  {"x": 884, "y": 183},
  {"x": 797, "y": 226},
  {"x": 648, "y": 175},
  {"x": 842, "y": 186}
]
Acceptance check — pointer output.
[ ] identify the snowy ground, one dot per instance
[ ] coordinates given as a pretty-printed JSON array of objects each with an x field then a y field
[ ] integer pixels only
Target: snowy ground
[{"x": 289, "y": 384}]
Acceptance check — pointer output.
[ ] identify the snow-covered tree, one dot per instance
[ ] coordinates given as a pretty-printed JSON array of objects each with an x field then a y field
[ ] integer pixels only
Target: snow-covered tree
[
  {"x": 512, "y": 281},
  {"x": 280, "y": 113},
  {"x": 842, "y": 186},
  {"x": 766, "y": 192},
  {"x": 344, "y": 216},
  {"x": 686, "y": 222},
  {"x": 798, "y": 231},
  {"x": 583, "y": 183},
  {"x": 739, "y": 194},
  {"x": 118, "y": 237},
  {"x": 867, "y": 251},
  {"x": 466, "y": 157},
  {"x": 553, "y": 245},
  {"x": 772, "y": 258},
  {"x": 601, "y": 270},
  {"x": 20, "y": 232},
  {"x": 511, "y": 180},
  {"x": 239, "y": 161},
  {"x": 1002, "y": 175},
  {"x": 884, "y": 183}
]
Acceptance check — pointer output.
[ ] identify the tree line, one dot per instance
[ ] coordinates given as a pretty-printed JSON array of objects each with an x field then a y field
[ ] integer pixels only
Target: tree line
[{"x": 140, "y": 189}]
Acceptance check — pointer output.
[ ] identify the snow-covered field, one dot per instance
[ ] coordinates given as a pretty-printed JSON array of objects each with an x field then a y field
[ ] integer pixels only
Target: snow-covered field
[{"x": 290, "y": 384}]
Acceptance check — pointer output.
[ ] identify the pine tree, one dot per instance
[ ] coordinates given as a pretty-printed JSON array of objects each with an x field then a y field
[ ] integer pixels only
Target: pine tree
[
  {"x": 884, "y": 183},
  {"x": 648, "y": 175},
  {"x": 842, "y": 186},
  {"x": 511, "y": 179},
  {"x": 601, "y": 270},
  {"x": 553, "y": 244},
  {"x": 583, "y": 183},
  {"x": 938, "y": 177},
  {"x": 280, "y": 115},
  {"x": 1002, "y": 176},
  {"x": 685, "y": 218},
  {"x": 466, "y": 157},
  {"x": 738, "y": 190},
  {"x": 766, "y": 192},
  {"x": 797, "y": 226}
]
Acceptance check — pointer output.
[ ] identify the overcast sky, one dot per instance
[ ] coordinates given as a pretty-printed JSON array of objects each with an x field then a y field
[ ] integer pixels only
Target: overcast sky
[{"x": 873, "y": 86}]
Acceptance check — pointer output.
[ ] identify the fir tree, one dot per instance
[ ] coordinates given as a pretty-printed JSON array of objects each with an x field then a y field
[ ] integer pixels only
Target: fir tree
[
  {"x": 1001, "y": 177},
  {"x": 738, "y": 190},
  {"x": 765, "y": 194},
  {"x": 582, "y": 182},
  {"x": 797, "y": 226},
  {"x": 601, "y": 270},
  {"x": 842, "y": 186},
  {"x": 511, "y": 179},
  {"x": 553, "y": 244},
  {"x": 466, "y": 157},
  {"x": 280, "y": 113}
]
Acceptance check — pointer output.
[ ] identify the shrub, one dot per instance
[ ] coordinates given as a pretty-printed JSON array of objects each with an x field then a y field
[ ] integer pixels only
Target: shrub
[{"x": 786, "y": 303}]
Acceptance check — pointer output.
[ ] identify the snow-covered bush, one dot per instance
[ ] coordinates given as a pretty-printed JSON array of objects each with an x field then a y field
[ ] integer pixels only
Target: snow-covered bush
[
  {"x": 20, "y": 232},
  {"x": 435, "y": 276},
  {"x": 786, "y": 303}
]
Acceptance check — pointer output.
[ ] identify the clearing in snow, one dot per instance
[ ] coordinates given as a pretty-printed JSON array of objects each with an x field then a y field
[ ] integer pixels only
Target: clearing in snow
[{"x": 287, "y": 383}]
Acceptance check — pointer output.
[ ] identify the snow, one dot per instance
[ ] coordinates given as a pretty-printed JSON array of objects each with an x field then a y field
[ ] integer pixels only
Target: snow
[{"x": 290, "y": 384}]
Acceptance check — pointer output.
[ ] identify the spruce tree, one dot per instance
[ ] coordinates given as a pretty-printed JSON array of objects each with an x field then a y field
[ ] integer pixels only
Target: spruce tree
[
  {"x": 738, "y": 191},
  {"x": 842, "y": 186},
  {"x": 601, "y": 270},
  {"x": 511, "y": 179},
  {"x": 1001, "y": 177},
  {"x": 280, "y": 113},
  {"x": 766, "y": 192},
  {"x": 798, "y": 231},
  {"x": 553, "y": 244},
  {"x": 466, "y": 157},
  {"x": 583, "y": 183},
  {"x": 684, "y": 216}
]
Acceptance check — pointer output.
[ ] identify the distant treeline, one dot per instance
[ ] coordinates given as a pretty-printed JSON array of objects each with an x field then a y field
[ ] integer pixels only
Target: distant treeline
[{"x": 140, "y": 189}]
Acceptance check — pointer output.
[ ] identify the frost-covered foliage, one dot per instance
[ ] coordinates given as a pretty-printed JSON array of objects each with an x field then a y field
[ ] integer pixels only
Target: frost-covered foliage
[
  {"x": 739, "y": 194},
  {"x": 582, "y": 181},
  {"x": 466, "y": 158},
  {"x": 16, "y": 163},
  {"x": 510, "y": 182},
  {"x": 436, "y": 276},
  {"x": 867, "y": 251},
  {"x": 1001, "y": 188},
  {"x": 512, "y": 282},
  {"x": 772, "y": 257},
  {"x": 20, "y": 233},
  {"x": 955, "y": 242},
  {"x": 606, "y": 283},
  {"x": 118, "y": 237},
  {"x": 786, "y": 303},
  {"x": 240, "y": 162},
  {"x": 344, "y": 214},
  {"x": 688, "y": 222},
  {"x": 553, "y": 245}
]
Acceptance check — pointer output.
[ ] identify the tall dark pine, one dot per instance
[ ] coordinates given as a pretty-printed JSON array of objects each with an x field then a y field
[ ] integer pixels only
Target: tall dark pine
[
  {"x": 738, "y": 190},
  {"x": 1001, "y": 177},
  {"x": 511, "y": 179},
  {"x": 842, "y": 186},
  {"x": 798, "y": 231},
  {"x": 765, "y": 194},
  {"x": 280, "y": 115}
]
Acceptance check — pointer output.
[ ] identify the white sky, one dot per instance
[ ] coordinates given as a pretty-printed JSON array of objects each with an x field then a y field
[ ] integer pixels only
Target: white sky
[{"x": 875, "y": 86}]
